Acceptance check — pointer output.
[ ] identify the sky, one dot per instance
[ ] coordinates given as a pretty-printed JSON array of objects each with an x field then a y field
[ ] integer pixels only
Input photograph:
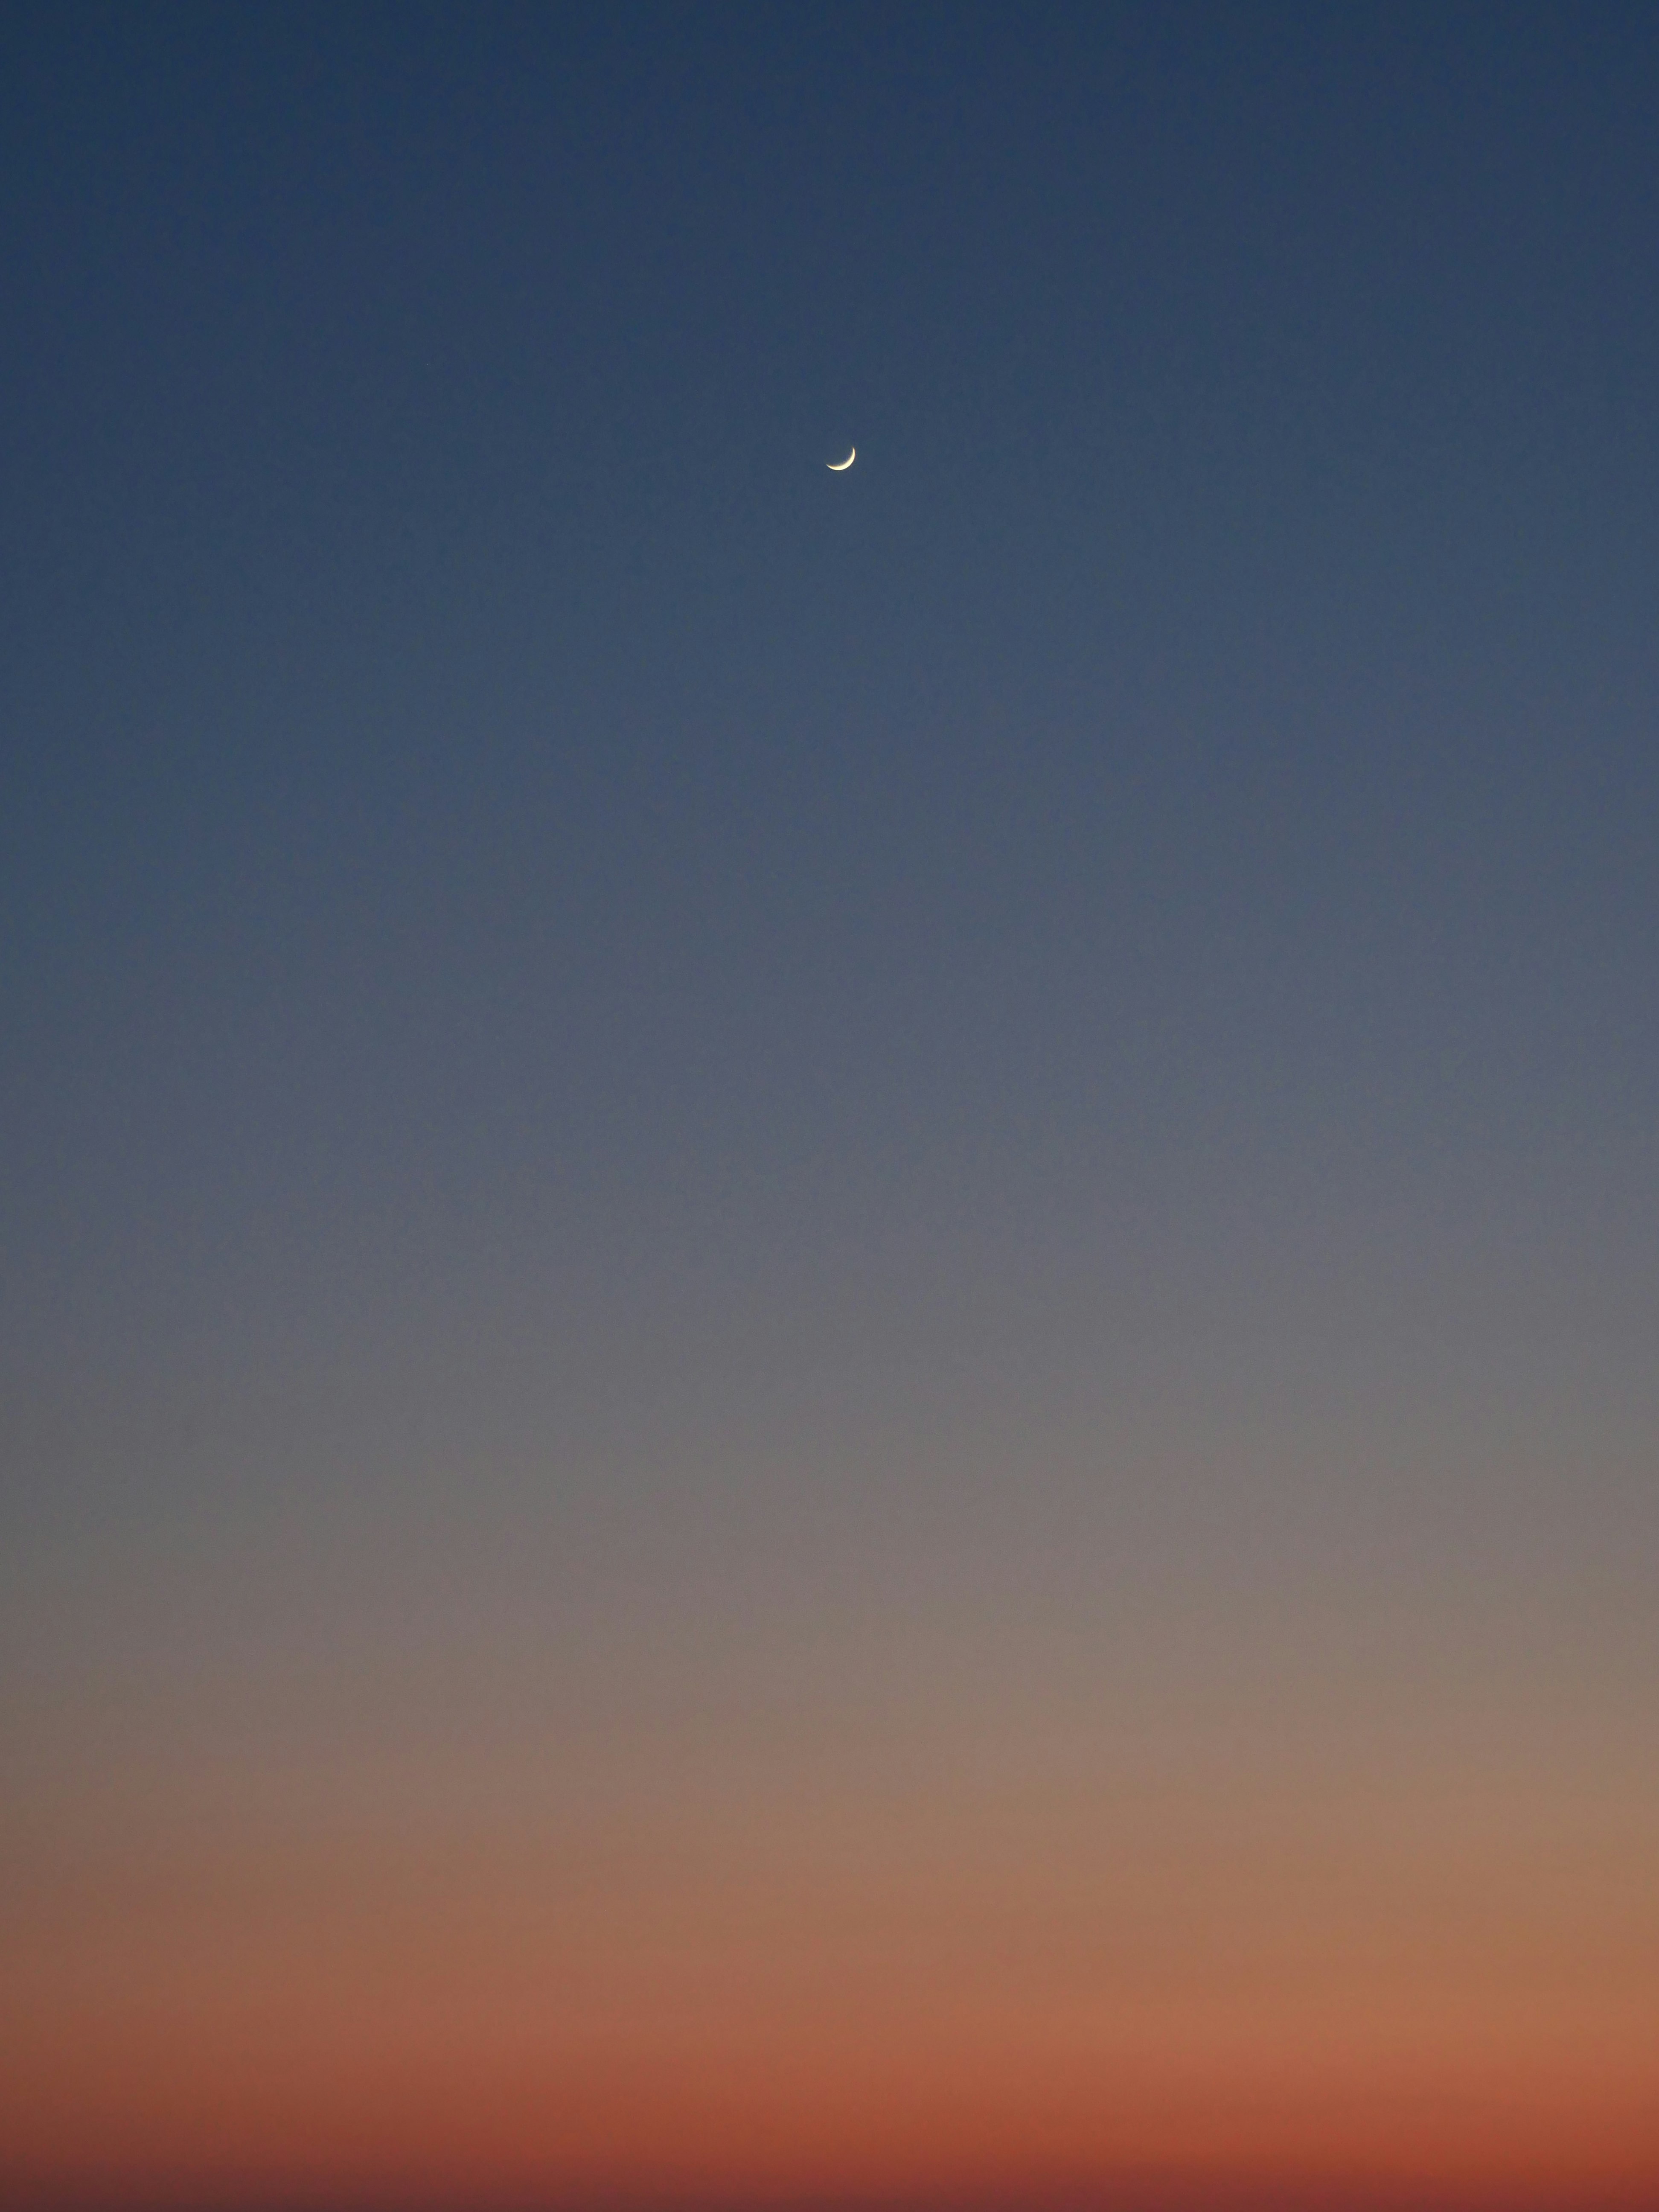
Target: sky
[{"x": 827, "y": 1299}]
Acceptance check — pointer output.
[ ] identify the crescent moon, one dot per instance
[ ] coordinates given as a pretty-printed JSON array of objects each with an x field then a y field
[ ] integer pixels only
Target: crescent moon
[{"x": 839, "y": 465}]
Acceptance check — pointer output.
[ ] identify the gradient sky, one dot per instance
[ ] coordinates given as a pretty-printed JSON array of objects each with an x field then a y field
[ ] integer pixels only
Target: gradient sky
[{"x": 828, "y": 1302}]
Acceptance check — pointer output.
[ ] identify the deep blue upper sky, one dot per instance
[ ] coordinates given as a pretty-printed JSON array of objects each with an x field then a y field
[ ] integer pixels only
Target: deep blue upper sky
[{"x": 474, "y": 780}]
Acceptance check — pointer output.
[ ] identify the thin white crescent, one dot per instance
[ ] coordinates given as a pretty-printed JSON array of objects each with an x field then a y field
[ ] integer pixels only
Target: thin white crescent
[{"x": 839, "y": 465}]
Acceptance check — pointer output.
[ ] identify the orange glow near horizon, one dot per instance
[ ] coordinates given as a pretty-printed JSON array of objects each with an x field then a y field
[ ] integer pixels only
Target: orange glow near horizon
[
  {"x": 993, "y": 1984},
  {"x": 424, "y": 2108}
]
